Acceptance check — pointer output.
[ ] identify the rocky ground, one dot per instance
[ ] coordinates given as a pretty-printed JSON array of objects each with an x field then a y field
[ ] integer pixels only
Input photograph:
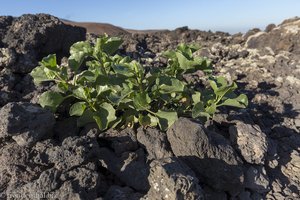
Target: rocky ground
[{"x": 252, "y": 153}]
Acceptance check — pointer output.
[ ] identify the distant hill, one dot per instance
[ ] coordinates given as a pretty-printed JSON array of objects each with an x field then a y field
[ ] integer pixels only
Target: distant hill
[
  {"x": 98, "y": 28},
  {"x": 101, "y": 28}
]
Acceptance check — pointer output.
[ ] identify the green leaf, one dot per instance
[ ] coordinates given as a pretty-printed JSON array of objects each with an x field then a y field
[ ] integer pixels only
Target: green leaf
[
  {"x": 85, "y": 118},
  {"x": 141, "y": 101},
  {"x": 81, "y": 93},
  {"x": 119, "y": 94},
  {"x": 115, "y": 123},
  {"x": 144, "y": 120},
  {"x": 199, "y": 111},
  {"x": 123, "y": 69},
  {"x": 105, "y": 115},
  {"x": 171, "y": 55},
  {"x": 98, "y": 47},
  {"x": 211, "y": 109},
  {"x": 112, "y": 45},
  {"x": 63, "y": 87},
  {"x": 194, "y": 47},
  {"x": 185, "y": 50},
  {"x": 184, "y": 63},
  {"x": 241, "y": 101},
  {"x": 50, "y": 73},
  {"x": 226, "y": 90},
  {"x": 51, "y": 100},
  {"x": 50, "y": 62},
  {"x": 154, "y": 120},
  {"x": 38, "y": 74},
  {"x": 170, "y": 85},
  {"x": 196, "y": 97},
  {"x": 203, "y": 64},
  {"x": 221, "y": 88},
  {"x": 79, "y": 51},
  {"x": 192, "y": 64},
  {"x": 114, "y": 98},
  {"x": 138, "y": 68},
  {"x": 121, "y": 60},
  {"x": 214, "y": 86},
  {"x": 77, "y": 109},
  {"x": 86, "y": 76},
  {"x": 166, "y": 119},
  {"x": 222, "y": 82},
  {"x": 101, "y": 89},
  {"x": 46, "y": 70}
]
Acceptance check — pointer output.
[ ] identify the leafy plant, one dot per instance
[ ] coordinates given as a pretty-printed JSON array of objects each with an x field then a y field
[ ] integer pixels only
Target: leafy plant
[{"x": 112, "y": 90}]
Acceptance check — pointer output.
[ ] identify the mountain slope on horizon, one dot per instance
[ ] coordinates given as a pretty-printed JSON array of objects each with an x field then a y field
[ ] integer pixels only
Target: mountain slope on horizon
[{"x": 101, "y": 28}]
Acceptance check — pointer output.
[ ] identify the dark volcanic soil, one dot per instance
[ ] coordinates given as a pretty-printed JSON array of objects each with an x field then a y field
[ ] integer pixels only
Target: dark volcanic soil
[{"x": 252, "y": 153}]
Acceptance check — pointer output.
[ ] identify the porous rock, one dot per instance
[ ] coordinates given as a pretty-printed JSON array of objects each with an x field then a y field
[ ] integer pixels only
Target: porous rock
[
  {"x": 257, "y": 180},
  {"x": 250, "y": 141},
  {"x": 170, "y": 178},
  {"x": 292, "y": 168},
  {"x": 121, "y": 141},
  {"x": 74, "y": 151},
  {"x": 36, "y": 36},
  {"x": 7, "y": 57},
  {"x": 116, "y": 192},
  {"x": 25, "y": 123},
  {"x": 209, "y": 154},
  {"x": 130, "y": 167},
  {"x": 5, "y": 22},
  {"x": 155, "y": 142},
  {"x": 290, "y": 42}
]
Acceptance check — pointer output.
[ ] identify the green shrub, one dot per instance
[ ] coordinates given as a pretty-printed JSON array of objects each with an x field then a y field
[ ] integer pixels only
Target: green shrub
[{"x": 112, "y": 90}]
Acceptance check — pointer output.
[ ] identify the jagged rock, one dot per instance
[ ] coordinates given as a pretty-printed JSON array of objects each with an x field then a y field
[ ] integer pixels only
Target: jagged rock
[
  {"x": 79, "y": 183},
  {"x": 39, "y": 171},
  {"x": 73, "y": 152},
  {"x": 91, "y": 130},
  {"x": 291, "y": 31},
  {"x": 44, "y": 185},
  {"x": 211, "y": 194},
  {"x": 257, "y": 196},
  {"x": 292, "y": 168},
  {"x": 250, "y": 141},
  {"x": 78, "y": 178},
  {"x": 257, "y": 180},
  {"x": 208, "y": 154},
  {"x": 36, "y": 36},
  {"x": 270, "y": 27},
  {"x": 245, "y": 195},
  {"x": 66, "y": 128},
  {"x": 86, "y": 181},
  {"x": 67, "y": 192},
  {"x": 14, "y": 87},
  {"x": 7, "y": 57},
  {"x": 121, "y": 193},
  {"x": 17, "y": 168},
  {"x": 172, "y": 179},
  {"x": 121, "y": 141},
  {"x": 5, "y": 97},
  {"x": 130, "y": 167},
  {"x": 5, "y": 22},
  {"x": 25, "y": 123},
  {"x": 251, "y": 32},
  {"x": 155, "y": 142},
  {"x": 13, "y": 155}
]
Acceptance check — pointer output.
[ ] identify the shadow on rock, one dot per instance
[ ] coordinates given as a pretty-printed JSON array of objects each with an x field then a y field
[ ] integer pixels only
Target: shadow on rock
[
  {"x": 209, "y": 154},
  {"x": 272, "y": 109}
]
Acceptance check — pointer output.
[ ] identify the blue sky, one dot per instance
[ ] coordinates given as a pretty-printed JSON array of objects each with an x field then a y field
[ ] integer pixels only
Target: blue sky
[{"x": 223, "y": 15}]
